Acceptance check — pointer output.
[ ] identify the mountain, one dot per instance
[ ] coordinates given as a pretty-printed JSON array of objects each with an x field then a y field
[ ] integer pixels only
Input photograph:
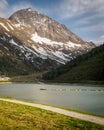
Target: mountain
[
  {"x": 10, "y": 64},
  {"x": 84, "y": 68},
  {"x": 39, "y": 42}
]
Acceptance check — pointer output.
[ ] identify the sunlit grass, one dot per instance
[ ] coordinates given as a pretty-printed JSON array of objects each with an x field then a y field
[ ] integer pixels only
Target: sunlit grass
[
  {"x": 26, "y": 78},
  {"x": 21, "y": 117}
]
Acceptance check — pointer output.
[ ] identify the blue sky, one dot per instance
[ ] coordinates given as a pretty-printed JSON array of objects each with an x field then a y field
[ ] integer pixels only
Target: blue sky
[{"x": 84, "y": 17}]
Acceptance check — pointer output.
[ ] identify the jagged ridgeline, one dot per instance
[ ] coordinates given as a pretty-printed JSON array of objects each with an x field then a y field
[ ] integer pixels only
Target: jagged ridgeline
[
  {"x": 38, "y": 42},
  {"x": 86, "y": 67}
]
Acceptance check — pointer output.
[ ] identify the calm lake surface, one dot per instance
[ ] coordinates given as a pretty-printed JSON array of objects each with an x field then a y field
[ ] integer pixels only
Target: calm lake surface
[{"x": 79, "y": 97}]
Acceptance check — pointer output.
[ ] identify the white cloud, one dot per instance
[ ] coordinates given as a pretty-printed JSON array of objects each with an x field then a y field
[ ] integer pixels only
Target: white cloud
[
  {"x": 99, "y": 27},
  {"x": 3, "y": 7},
  {"x": 86, "y": 16},
  {"x": 6, "y": 10},
  {"x": 99, "y": 41},
  {"x": 102, "y": 37},
  {"x": 18, "y": 6},
  {"x": 3, "y": 4},
  {"x": 72, "y": 8}
]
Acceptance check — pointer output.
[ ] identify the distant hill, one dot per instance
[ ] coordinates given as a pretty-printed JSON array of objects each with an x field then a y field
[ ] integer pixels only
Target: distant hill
[{"x": 87, "y": 67}]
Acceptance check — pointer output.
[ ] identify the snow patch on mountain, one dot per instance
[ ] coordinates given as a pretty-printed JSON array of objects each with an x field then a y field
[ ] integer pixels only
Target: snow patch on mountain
[
  {"x": 36, "y": 38},
  {"x": 17, "y": 25},
  {"x": 58, "y": 56},
  {"x": 10, "y": 26},
  {"x": 8, "y": 35},
  {"x": 42, "y": 40},
  {"x": 23, "y": 48},
  {"x": 41, "y": 52},
  {"x": 30, "y": 50},
  {"x": 4, "y": 26},
  {"x": 71, "y": 44},
  {"x": 13, "y": 42}
]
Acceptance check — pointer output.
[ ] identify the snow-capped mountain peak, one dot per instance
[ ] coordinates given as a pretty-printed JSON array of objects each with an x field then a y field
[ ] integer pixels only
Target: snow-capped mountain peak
[{"x": 36, "y": 36}]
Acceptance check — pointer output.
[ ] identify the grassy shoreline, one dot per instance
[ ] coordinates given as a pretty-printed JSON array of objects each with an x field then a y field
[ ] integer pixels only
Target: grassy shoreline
[
  {"x": 20, "y": 80},
  {"x": 16, "y": 116},
  {"x": 69, "y": 109},
  {"x": 75, "y": 82},
  {"x": 36, "y": 77}
]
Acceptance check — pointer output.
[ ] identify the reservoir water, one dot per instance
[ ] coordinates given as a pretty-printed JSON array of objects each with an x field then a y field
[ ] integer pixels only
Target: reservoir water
[{"x": 87, "y": 98}]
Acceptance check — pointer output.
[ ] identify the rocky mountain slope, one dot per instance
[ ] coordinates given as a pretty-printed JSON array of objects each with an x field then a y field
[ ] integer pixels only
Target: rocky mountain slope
[
  {"x": 38, "y": 41},
  {"x": 84, "y": 68}
]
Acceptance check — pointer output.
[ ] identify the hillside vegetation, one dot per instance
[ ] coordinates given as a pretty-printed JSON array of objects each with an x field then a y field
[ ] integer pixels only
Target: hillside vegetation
[
  {"x": 86, "y": 67},
  {"x": 10, "y": 67}
]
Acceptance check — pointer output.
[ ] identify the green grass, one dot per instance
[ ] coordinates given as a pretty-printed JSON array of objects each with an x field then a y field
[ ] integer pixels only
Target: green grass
[
  {"x": 4, "y": 81},
  {"x": 69, "y": 109},
  {"x": 21, "y": 117},
  {"x": 24, "y": 78},
  {"x": 27, "y": 78}
]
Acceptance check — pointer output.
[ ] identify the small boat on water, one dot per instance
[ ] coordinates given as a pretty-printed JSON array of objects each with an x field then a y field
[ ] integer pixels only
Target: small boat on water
[{"x": 43, "y": 89}]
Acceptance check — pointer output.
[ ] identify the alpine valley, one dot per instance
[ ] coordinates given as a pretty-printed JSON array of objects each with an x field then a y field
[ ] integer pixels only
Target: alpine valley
[{"x": 30, "y": 42}]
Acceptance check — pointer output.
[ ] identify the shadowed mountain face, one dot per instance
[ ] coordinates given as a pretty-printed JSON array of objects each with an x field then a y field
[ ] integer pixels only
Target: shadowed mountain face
[
  {"x": 88, "y": 67},
  {"x": 39, "y": 42}
]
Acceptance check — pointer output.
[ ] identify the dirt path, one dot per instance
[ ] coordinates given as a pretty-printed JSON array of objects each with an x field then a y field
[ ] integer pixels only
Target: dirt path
[{"x": 95, "y": 119}]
